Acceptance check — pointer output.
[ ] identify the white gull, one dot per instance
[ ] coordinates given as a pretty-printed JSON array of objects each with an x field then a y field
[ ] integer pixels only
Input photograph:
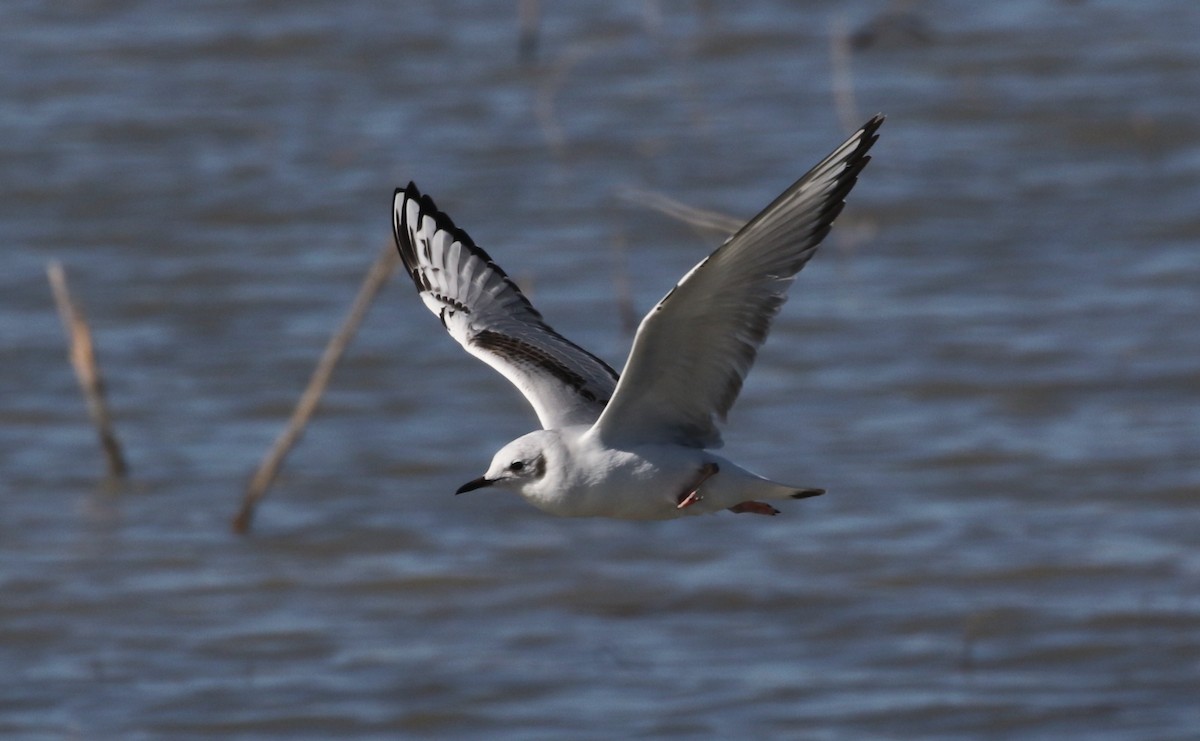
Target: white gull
[{"x": 638, "y": 445}]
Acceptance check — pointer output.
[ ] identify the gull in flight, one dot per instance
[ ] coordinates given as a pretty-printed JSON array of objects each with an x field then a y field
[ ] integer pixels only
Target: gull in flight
[{"x": 635, "y": 445}]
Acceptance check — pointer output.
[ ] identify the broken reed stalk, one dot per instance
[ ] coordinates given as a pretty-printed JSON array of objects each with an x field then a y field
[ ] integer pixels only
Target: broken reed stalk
[
  {"x": 701, "y": 220},
  {"x": 711, "y": 222},
  {"x": 622, "y": 290},
  {"x": 544, "y": 105},
  {"x": 83, "y": 359},
  {"x": 842, "y": 74},
  {"x": 375, "y": 278},
  {"x": 529, "y": 21}
]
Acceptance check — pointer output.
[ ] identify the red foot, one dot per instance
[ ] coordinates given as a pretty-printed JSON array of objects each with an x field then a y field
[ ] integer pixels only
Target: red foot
[
  {"x": 757, "y": 508},
  {"x": 691, "y": 495}
]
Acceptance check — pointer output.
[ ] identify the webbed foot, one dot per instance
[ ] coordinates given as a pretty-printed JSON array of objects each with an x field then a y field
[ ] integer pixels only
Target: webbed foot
[{"x": 758, "y": 508}]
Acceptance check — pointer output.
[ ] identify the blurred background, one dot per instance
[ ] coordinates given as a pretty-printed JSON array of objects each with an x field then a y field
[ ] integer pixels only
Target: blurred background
[{"x": 993, "y": 365}]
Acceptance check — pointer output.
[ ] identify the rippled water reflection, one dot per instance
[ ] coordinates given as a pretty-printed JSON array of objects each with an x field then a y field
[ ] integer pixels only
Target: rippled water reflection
[{"x": 994, "y": 366}]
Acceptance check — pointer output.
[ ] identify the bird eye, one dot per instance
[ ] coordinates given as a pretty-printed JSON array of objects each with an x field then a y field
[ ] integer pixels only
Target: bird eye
[{"x": 516, "y": 466}]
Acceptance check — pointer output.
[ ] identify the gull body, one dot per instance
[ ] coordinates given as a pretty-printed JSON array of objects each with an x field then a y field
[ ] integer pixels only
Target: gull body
[
  {"x": 571, "y": 472},
  {"x": 636, "y": 445}
]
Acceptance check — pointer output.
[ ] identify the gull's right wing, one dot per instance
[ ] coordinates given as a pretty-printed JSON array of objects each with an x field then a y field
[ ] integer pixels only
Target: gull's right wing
[{"x": 694, "y": 348}]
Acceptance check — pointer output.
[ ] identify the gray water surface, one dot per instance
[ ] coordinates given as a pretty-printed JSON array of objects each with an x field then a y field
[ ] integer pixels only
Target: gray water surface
[{"x": 993, "y": 365}]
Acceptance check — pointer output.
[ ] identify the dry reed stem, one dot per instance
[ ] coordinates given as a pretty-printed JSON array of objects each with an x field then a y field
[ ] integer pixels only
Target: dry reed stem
[
  {"x": 545, "y": 105},
  {"x": 622, "y": 287},
  {"x": 842, "y": 74},
  {"x": 529, "y": 22},
  {"x": 83, "y": 359},
  {"x": 706, "y": 222},
  {"x": 375, "y": 278}
]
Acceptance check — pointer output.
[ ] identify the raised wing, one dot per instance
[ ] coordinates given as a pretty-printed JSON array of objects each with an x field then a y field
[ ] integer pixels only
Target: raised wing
[
  {"x": 489, "y": 316},
  {"x": 693, "y": 350}
]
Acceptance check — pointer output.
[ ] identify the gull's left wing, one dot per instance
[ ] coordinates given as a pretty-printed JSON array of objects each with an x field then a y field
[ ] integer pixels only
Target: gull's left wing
[{"x": 489, "y": 316}]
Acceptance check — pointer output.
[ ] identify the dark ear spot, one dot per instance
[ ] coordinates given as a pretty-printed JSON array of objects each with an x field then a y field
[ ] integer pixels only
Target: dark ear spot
[{"x": 539, "y": 466}]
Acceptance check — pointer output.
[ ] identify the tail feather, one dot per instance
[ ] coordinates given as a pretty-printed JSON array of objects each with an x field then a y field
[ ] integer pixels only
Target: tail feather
[
  {"x": 768, "y": 489},
  {"x": 806, "y": 493}
]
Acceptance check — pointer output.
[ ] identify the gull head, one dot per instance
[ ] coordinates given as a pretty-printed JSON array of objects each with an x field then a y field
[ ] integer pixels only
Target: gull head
[{"x": 520, "y": 465}]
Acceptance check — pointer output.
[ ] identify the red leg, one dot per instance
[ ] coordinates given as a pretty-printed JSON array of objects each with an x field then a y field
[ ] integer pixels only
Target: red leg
[{"x": 691, "y": 495}]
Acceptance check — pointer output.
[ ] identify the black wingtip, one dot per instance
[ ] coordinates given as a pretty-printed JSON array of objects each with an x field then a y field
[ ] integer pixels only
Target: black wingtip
[
  {"x": 428, "y": 209},
  {"x": 410, "y": 193},
  {"x": 408, "y": 251},
  {"x": 852, "y": 165},
  {"x": 806, "y": 493},
  {"x": 400, "y": 232},
  {"x": 867, "y": 135},
  {"x": 871, "y": 126},
  {"x": 870, "y": 135}
]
